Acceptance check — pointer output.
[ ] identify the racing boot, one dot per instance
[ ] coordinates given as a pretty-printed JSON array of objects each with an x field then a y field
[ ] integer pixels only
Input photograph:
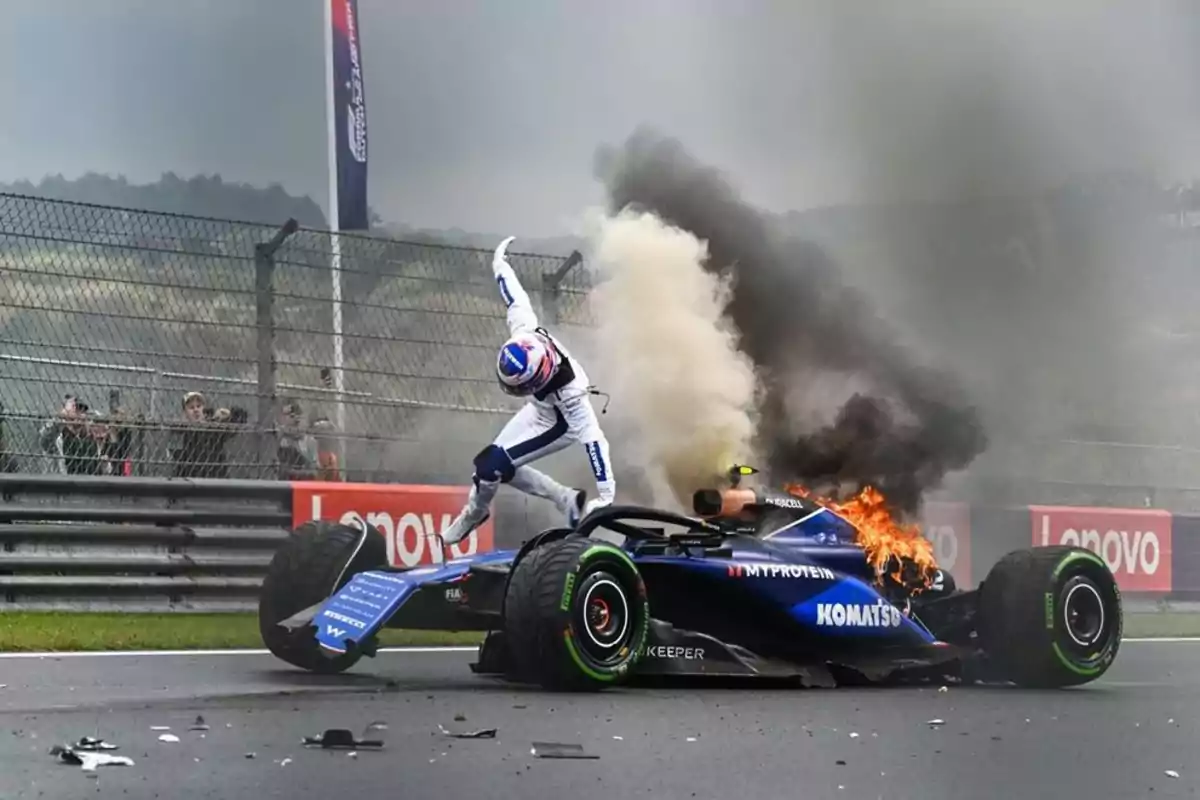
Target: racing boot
[
  {"x": 474, "y": 513},
  {"x": 569, "y": 501}
]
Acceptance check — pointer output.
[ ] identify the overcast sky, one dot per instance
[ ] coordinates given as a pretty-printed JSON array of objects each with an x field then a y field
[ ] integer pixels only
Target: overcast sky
[{"x": 486, "y": 115}]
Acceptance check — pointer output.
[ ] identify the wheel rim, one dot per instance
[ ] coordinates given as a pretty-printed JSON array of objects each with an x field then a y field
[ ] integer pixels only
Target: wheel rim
[
  {"x": 1083, "y": 614},
  {"x": 602, "y": 616}
]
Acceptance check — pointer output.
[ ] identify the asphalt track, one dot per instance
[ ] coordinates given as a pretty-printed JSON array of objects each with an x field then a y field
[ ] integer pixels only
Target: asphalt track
[{"x": 1114, "y": 739}]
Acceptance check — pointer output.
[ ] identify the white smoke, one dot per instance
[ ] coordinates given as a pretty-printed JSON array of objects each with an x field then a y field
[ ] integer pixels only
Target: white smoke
[{"x": 670, "y": 360}]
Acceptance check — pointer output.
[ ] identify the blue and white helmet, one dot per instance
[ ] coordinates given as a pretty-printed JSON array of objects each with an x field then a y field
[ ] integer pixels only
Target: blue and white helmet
[{"x": 526, "y": 364}]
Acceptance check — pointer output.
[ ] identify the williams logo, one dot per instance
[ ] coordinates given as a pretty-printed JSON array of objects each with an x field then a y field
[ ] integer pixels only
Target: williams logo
[
  {"x": 768, "y": 570},
  {"x": 881, "y": 614}
]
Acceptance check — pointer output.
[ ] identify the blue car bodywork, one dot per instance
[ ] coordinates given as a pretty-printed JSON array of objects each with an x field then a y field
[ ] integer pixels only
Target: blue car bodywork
[{"x": 801, "y": 600}]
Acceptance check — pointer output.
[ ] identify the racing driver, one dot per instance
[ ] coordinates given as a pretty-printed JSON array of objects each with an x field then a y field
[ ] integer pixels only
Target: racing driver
[{"x": 534, "y": 365}]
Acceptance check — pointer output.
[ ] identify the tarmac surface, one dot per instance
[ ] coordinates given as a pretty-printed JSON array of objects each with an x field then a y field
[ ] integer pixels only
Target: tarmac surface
[{"x": 1113, "y": 739}]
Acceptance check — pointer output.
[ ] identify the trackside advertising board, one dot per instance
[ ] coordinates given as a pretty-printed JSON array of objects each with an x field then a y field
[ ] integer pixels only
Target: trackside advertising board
[
  {"x": 1134, "y": 542},
  {"x": 408, "y": 516},
  {"x": 948, "y": 527}
]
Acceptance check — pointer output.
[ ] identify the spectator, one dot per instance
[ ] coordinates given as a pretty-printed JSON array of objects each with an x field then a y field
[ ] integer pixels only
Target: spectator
[
  {"x": 67, "y": 437},
  {"x": 8, "y": 461},
  {"x": 118, "y": 447},
  {"x": 297, "y": 448},
  {"x": 328, "y": 468},
  {"x": 199, "y": 447}
]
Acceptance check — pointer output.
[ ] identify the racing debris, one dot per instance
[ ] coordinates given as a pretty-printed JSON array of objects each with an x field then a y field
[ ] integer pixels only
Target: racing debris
[
  {"x": 341, "y": 739},
  {"x": 285, "y": 762},
  {"x": 251, "y": 756},
  {"x": 160, "y": 727},
  {"x": 199, "y": 724},
  {"x": 486, "y": 733},
  {"x": 88, "y": 760},
  {"x": 92, "y": 744},
  {"x": 169, "y": 738},
  {"x": 933, "y": 723},
  {"x": 1170, "y": 773},
  {"x": 560, "y": 750}
]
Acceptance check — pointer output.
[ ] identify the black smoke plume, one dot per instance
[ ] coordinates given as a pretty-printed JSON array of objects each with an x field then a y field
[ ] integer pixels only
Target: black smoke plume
[{"x": 798, "y": 322}]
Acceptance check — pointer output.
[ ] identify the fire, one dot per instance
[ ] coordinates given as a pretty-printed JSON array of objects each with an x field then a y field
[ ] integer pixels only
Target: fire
[{"x": 881, "y": 536}]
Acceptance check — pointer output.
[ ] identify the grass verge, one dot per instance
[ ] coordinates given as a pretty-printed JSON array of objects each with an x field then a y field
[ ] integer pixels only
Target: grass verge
[
  {"x": 36, "y": 631},
  {"x": 1157, "y": 624}
]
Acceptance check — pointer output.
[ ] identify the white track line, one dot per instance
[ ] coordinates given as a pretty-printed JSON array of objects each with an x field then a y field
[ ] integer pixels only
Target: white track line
[
  {"x": 191, "y": 653},
  {"x": 413, "y": 650}
]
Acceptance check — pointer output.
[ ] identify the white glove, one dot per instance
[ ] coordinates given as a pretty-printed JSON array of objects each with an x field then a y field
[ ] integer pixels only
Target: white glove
[
  {"x": 501, "y": 254},
  {"x": 594, "y": 503}
]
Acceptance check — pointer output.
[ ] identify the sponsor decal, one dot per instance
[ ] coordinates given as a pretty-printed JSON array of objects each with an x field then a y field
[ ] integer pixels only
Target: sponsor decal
[
  {"x": 455, "y": 594},
  {"x": 769, "y": 570},
  {"x": 568, "y": 589},
  {"x": 410, "y": 517},
  {"x": 599, "y": 470},
  {"x": 880, "y": 614},
  {"x": 337, "y": 633},
  {"x": 1135, "y": 543},
  {"x": 947, "y": 526},
  {"x": 358, "y": 623},
  {"x": 663, "y": 651},
  {"x": 785, "y": 502},
  {"x": 938, "y": 582}
]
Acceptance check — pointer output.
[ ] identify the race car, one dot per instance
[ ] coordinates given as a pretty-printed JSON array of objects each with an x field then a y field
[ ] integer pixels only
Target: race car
[{"x": 756, "y": 583}]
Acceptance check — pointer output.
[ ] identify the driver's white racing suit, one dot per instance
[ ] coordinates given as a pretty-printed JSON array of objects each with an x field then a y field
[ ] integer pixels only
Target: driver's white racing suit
[{"x": 555, "y": 418}]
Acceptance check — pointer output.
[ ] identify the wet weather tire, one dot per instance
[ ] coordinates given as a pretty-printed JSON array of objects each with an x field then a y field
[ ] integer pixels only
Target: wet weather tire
[
  {"x": 1050, "y": 616},
  {"x": 311, "y": 565},
  {"x": 576, "y": 616}
]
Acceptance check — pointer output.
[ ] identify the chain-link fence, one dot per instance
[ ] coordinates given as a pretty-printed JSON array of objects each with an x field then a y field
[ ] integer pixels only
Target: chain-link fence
[
  {"x": 142, "y": 343},
  {"x": 157, "y": 344}
]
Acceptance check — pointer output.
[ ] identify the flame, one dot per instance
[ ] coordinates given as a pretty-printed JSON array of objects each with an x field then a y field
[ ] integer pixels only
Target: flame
[{"x": 881, "y": 536}]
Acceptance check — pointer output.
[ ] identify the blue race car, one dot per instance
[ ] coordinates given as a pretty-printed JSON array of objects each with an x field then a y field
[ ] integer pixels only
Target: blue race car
[{"x": 769, "y": 586}]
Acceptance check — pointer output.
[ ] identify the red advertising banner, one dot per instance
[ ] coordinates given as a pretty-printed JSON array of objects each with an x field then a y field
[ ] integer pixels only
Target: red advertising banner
[
  {"x": 408, "y": 516},
  {"x": 1134, "y": 542},
  {"x": 948, "y": 527}
]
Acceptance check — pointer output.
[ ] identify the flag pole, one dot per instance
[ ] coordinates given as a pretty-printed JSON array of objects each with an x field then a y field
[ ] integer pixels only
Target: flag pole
[{"x": 339, "y": 379}]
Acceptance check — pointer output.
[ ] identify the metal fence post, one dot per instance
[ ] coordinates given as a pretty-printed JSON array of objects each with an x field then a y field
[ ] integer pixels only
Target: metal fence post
[
  {"x": 552, "y": 287},
  {"x": 264, "y": 291}
]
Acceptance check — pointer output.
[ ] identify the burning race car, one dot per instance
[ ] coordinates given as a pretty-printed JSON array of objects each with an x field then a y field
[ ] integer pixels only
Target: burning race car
[{"x": 757, "y": 583}]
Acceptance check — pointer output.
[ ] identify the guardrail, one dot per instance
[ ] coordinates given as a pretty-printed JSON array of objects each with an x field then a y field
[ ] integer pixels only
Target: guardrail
[
  {"x": 87, "y": 543},
  {"x": 95, "y": 543}
]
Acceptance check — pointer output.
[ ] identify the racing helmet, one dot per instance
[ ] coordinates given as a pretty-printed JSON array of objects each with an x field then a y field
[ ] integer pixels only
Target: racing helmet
[{"x": 526, "y": 364}]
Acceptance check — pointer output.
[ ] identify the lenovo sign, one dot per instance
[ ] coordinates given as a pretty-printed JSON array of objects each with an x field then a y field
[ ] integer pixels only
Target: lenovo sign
[
  {"x": 948, "y": 527},
  {"x": 408, "y": 516},
  {"x": 1135, "y": 543}
]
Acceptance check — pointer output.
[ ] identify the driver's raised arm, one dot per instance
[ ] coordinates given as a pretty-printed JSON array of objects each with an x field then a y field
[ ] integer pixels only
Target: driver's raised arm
[{"x": 521, "y": 316}]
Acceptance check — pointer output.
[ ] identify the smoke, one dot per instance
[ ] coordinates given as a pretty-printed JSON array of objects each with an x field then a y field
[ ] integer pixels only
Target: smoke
[
  {"x": 678, "y": 373},
  {"x": 797, "y": 321}
]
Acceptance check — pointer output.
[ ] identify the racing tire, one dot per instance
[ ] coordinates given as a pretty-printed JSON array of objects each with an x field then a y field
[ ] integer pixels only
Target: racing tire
[
  {"x": 1050, "y": 617},
  {"x": 319, "y": 558},
  {"x": 576, "y": 616}
]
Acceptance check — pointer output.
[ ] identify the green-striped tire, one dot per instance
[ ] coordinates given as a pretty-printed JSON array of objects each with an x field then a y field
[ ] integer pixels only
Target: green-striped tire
[
  {"x": 1051, "y": 616},
  {"x": 576, "y": 616}
]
